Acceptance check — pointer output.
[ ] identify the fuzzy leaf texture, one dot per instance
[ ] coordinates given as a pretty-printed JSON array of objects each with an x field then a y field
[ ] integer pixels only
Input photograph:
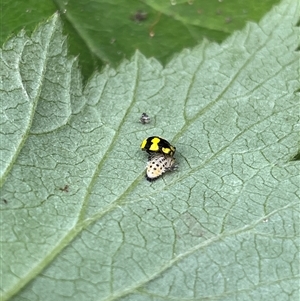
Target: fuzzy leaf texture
[{"x": 78, "y": 219}]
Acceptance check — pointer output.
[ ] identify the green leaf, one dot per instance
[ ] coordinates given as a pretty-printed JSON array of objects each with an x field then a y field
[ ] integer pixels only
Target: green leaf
[
  {"x": 113, "y": 30},
  {"x": 107, "y": 31},
  {"x": 78, "y": 219}
]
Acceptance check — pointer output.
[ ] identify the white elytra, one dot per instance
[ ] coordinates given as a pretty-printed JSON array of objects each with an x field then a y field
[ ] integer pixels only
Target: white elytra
[{"x": 158, "y": 165}]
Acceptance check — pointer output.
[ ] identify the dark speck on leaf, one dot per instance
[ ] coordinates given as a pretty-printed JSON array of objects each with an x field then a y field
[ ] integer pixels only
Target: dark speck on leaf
[
  {"x": 139, "y": 16},
  {"x": 65, "y": 189}
]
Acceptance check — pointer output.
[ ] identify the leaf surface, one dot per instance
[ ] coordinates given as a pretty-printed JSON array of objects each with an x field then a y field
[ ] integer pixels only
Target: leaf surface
[
  {"x": 78, "y": 219},
  {"x": 107, "y": 31}
]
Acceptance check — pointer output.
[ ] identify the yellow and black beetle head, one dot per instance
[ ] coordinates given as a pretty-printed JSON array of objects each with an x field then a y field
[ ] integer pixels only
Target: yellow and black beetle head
[{"x": 159, "y": 145}]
